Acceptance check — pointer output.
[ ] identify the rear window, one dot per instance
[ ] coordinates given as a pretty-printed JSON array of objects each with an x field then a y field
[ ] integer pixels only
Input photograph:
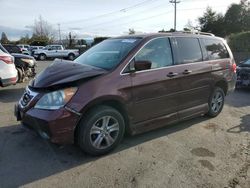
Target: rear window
[
  {"x": 189, "y": 50},
  {"x": 215, "y": 49}
]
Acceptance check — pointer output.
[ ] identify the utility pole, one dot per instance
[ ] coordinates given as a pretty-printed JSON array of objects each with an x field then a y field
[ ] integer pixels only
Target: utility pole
[
  {"x": 175, "y": 6},
  {"x": 59, "y": 32}
]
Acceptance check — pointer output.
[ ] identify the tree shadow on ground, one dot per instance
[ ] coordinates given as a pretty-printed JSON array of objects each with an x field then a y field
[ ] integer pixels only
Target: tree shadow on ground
[
  {"x": 8, "y": 95},
  {"x": 25, "y": 157},
  {"x": 239, "y": 98},
  {"x": 243, "y": 127}
]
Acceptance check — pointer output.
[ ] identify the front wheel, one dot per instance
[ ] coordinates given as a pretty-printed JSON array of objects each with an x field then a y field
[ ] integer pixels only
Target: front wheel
[
  {"x": 101, "y": 130},
  {"x": 216, "y": 102}
]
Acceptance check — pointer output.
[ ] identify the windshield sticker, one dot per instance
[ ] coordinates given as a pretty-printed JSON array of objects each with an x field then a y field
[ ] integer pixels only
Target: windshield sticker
[{"x": 129, "y": 40}]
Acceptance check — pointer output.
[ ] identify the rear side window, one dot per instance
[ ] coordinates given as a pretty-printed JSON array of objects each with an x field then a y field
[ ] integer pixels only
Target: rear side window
[
  {"x": 215, "y": 49},
  {"x": 188, "y": 50}
]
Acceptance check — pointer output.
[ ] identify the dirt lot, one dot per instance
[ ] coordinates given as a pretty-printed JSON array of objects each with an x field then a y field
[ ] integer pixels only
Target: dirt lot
[{"x": 198, "y": 153}]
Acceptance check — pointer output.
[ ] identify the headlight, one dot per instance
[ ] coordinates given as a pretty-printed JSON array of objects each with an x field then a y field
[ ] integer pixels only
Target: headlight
[
  {"x": 56, "y": 99},
  {"x": 29, "y": 61}
]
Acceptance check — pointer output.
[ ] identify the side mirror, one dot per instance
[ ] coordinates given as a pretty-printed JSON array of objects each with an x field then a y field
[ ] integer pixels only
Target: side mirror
[{"x": 142, "y": 65}]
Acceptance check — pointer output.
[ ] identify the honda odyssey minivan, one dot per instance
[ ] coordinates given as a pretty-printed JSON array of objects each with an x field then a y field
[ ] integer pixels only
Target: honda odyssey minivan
[{"x": 128, "y": 84}]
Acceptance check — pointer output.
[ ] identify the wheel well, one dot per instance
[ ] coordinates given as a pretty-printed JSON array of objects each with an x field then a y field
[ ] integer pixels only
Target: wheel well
[
  {"x": 222, "y": 85},
  {"x": 71, "y": 54},
  {"x": 112, "y": 103}
]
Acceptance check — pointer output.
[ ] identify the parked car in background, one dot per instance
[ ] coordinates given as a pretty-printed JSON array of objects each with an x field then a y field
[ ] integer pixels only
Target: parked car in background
[
  {"x": 25, "y": 64},
  {"x": 8, "y": 72},
  {"x": 24, "y": 48},
  {"x": 32, "y": 49},
  {"x": 55, "y": 51},
  {"x": 134, "y": 83},
  {"x": 243, "y": 74},
  {"x": 11, "y": 48}
]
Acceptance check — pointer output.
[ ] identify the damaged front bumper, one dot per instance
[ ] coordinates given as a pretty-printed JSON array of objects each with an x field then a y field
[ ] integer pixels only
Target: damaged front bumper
[{"x": 58, "y": 126}]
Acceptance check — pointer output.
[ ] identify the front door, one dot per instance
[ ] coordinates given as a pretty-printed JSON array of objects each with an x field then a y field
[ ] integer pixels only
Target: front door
[{"x": 156, "y": 90}]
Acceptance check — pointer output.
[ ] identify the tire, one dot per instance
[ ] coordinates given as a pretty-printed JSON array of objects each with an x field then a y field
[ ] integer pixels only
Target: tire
[
  {"x": 42, "y": 57},
  {"x": 95, "y": 136},
  {"x": 20, "y": 75},
  {"x": 216, "y": 102},
  {"x": 71, "y": 57}
]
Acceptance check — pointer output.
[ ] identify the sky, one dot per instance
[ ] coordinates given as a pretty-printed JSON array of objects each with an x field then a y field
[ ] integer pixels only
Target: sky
[{"x": 102, "y": 17}]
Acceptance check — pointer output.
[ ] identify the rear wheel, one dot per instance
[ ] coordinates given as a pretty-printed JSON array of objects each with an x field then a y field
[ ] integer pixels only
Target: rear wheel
[
  {"x": 71, "y": 57},
  {"x": 216, "y": 102},
  {"x": 101, "y": 130},
  {"x": 42, "y": 57}
]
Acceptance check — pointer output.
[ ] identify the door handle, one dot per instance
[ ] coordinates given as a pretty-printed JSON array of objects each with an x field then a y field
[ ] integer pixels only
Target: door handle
[
  {"x": 172, "y": 74},
  {"x": 187, "y": 72}
]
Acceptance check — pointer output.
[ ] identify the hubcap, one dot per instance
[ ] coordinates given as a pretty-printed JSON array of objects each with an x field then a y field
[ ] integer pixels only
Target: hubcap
[
  {"x": 217, "y": 102},
  {"x": 71, "y": 57},
  {"x": 42, "y": 57},
  {"x": 104, "y": 132}
]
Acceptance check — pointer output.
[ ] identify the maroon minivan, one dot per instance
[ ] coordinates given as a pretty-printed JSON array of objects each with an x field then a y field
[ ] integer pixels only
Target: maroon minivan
[{"x": 132, "y": 83}]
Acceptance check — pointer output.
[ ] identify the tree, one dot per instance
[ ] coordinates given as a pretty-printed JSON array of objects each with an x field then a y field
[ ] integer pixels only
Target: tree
[
  {"x": 39, "y": 40},
  {"x": 24, "y": 40},
  {"x": 43, "y": 32},
  {"x": 131, "y": 31},
  {"x": 212, "y": 22},
  {"x": 4, "y": 38},
  {"x": 186, "y": 29},
  {"x": 42, "y": 28},
  {"x": 98, "y": 40},
  {"x": 237, "y": 18},
  {"x": 71, "y": 40},
  {"x": 166, "y": 31},
  {"x": 239, "y": 42}
]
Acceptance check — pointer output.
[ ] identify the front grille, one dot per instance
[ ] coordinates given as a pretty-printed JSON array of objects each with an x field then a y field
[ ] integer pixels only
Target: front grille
[{"x": 27, "y": 97}]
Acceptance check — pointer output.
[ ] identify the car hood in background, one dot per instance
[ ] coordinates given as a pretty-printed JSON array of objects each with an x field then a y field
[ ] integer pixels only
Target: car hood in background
[
  {"x": 22, "y": 56},
  {"x": 61, "y": 73}
]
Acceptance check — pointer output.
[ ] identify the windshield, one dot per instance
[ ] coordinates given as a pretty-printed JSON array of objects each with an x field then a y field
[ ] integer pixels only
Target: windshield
[
  {"x": 108, "y": 54},
  {"x": 247, "y": 62}
]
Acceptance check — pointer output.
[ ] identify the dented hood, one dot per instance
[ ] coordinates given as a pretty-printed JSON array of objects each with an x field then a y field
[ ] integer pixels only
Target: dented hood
[{"x": 64, "y": 72}]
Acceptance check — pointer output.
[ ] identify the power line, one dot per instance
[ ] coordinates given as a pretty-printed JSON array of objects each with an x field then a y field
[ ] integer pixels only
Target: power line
[
  {"x": 111, "y": 13},
  {"x": 119, "y": 19},
  {"x": 154, "y": 16}
]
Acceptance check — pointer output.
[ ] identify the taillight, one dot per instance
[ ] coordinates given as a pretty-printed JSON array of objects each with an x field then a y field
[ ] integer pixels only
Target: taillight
[
  {"x": 7, "y": 59},
  {"x": 234, "y": 67}
]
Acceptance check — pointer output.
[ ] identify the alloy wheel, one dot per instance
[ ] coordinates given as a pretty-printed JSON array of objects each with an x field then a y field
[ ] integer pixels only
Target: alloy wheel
[
  {"x": 104, "y": 132},
  {"x": 217, "y": 101}
]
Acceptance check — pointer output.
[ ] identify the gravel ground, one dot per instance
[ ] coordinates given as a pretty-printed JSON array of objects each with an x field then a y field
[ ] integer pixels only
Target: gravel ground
[{"x": 198, "y": 153}]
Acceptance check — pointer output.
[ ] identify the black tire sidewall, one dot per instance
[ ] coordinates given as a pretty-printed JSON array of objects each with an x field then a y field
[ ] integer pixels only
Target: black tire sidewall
[
  {"x": 43, "y": 56},
  {"x": 20, "y": 75},
  {"x": 211, "y": 113},
  {"x": 88, "y": 121},
  {"x": 71, "y": 55}
]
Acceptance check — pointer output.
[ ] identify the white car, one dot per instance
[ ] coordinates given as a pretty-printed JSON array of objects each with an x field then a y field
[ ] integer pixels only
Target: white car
[
  {"x": 8, "y": 72},
  {"x": 55, "y": 51},
  {"x": 24, "y": 48}
]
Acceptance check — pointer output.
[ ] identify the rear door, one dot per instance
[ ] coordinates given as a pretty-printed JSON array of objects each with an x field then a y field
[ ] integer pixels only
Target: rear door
[
  {"x": 155, "y": 91},
  {"x": 194, "y": 75}
]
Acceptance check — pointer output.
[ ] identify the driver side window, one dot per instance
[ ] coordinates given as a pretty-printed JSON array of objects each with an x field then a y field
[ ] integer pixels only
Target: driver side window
[{"x": 158, "y": 52}]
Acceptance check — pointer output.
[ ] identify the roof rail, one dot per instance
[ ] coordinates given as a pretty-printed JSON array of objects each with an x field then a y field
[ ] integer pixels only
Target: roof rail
[{"x": 196, "y": 32}]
